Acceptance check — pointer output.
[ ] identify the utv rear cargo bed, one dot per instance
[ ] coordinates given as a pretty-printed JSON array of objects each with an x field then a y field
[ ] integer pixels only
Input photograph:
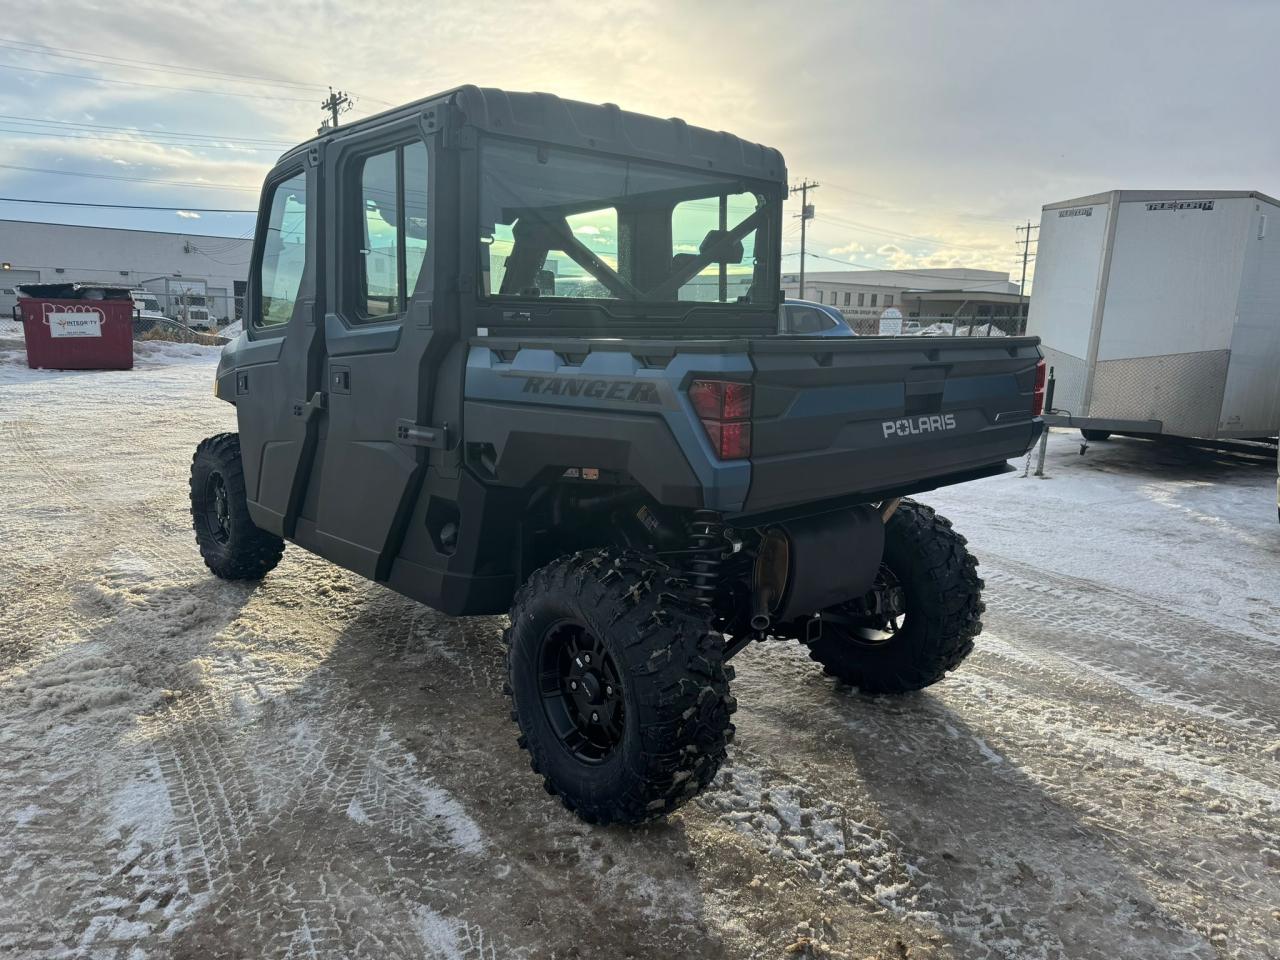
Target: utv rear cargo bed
[{"x": 837, "y": 417}]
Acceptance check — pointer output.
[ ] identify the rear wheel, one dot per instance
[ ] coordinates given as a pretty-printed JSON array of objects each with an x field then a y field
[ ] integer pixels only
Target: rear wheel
[
  {"x": 618, "y": 684},
  {"x": 1096, "y": 436},
  {"x": 232, "y": 547},
  {"x": 928, "y": 601}
]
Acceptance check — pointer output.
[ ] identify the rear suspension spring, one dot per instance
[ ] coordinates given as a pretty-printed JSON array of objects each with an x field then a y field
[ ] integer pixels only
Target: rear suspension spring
[{"x": 706, "y": 552}]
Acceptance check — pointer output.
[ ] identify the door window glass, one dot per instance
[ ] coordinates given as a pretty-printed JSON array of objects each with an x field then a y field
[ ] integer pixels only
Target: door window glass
[
  {"x": 393, "y": 203},
  {"x": 284, "y": 252},
  {"x": 415, "y": 213},
  {"x": 381, "y": 250}
]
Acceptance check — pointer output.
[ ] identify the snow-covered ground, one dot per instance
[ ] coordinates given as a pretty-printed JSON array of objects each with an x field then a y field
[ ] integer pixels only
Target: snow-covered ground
[{"x": 316, "y": 767}]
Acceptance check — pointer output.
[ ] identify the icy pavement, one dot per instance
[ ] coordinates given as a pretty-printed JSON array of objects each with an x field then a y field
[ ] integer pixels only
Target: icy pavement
[{"x": 316, "y": 767}]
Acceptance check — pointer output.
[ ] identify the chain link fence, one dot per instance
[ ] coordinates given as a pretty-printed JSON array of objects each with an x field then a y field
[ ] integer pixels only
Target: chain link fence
[{"x": 945, "y": 326}]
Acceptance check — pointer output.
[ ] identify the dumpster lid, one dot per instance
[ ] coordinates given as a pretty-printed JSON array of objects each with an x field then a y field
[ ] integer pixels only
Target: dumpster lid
[{"x": 73, "y": 291}]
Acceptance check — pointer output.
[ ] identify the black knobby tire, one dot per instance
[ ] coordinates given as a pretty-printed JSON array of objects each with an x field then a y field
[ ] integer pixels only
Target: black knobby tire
[
  {"x": 943, "y": 594},
  {"x": 232, "y": 547},
  {"x": 1096, "y": 436},
  {"x": 672, "y": 716}
]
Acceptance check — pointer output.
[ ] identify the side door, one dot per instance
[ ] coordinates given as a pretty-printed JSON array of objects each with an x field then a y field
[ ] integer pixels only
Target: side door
[
  {"x": 278, "y": 373},
  {"x": 380, "y": 360}
]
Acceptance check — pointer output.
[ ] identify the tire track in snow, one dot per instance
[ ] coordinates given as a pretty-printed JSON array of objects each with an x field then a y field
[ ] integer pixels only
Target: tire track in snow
[
  {"x": 1165, "y": 659},
  {"x": 984, "y": 858}
]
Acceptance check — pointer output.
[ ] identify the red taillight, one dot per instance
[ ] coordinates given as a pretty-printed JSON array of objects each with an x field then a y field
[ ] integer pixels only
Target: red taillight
[
  {"x": 1037, "y": 396},
  {"x": 724, "y": 407}
]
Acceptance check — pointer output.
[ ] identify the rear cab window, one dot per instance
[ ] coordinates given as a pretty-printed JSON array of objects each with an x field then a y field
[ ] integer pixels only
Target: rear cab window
[{"x": 635, "y": 240}]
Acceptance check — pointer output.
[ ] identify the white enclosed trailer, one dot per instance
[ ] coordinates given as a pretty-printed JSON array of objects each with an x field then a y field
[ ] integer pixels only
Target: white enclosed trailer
[{"x": 1160, "y": 311}]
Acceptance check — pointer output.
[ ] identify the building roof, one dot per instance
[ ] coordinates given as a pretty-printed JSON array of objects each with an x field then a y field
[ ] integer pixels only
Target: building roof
[
  {"x": 158, "y": 233},
  {"x": 994, "y": 296},
  {"x": 925, "y": 278},
  {"x": 1125, "y": 196}
]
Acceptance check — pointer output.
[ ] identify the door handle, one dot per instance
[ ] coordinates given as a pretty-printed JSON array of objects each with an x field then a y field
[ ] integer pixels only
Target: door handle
[
  {"x": 414, "y": 435},
  {"x": 319, "y": 401}
]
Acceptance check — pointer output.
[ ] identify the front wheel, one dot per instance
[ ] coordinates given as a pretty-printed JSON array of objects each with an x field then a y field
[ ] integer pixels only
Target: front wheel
[
  {"x": 618, "y": 684},
  {"x": 930, "y": 605},
  {"x": 232, "y": 547},
  {"x": 1096, "y": 436}
]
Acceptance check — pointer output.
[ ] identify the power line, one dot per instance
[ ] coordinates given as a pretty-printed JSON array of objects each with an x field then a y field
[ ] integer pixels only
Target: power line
[
  {"x": 108, "y": 176},
  {"x": 87, "y": 56},
  {"x": 99, "y": 138},
  {"x": 903, "y": 236},
  {"x": 157, "y": 86},
  {"x": 959, "y": 213},
  {"x": 120, "y": 206},
  {"x": 105, "y": 60},
  {"x": 84, "y": 126}
]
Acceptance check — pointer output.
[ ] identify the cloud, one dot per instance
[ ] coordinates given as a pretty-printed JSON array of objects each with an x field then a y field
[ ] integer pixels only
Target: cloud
[
  {"x": 847, "y": 250},
  {"x": 188, "y": 214}
]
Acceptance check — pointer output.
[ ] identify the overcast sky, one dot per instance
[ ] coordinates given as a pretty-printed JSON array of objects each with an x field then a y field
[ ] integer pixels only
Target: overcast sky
[{"x": 933, "y": 127}]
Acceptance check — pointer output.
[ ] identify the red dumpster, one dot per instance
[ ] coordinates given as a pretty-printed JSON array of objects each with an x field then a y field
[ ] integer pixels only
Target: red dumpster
[{"x": 73, "y": 326}]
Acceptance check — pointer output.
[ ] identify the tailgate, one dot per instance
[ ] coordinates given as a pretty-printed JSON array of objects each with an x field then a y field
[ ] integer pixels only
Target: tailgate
[{"x": 836, "y": 417}]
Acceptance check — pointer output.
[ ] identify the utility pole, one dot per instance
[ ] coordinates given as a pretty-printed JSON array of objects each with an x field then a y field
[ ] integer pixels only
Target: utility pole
[
  {"x": 338, "y": 102},
  {"x": 806, "y": 214},
  {"x": 1022, "y": 286}
]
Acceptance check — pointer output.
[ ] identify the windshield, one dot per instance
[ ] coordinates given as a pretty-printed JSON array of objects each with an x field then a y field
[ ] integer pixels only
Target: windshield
[{"x": 559, "y": 223}]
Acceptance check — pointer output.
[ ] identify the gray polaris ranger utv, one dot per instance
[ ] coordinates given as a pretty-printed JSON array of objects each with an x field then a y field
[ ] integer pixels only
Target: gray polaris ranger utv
[{"x": 504, "y": 351}]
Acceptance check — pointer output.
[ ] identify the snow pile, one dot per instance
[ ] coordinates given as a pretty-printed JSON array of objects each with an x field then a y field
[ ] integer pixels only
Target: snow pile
[{"x": 165, "y": 352}]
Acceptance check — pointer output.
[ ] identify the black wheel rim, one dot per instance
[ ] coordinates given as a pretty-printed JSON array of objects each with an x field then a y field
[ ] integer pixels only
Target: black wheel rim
[
  {"x": 581, "y": 692},
  {"x": 217, "y": 511}
]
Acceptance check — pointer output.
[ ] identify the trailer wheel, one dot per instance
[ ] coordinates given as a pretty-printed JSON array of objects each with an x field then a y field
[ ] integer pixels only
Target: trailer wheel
[
  {"x": 232, "y": 547},
  {"x": 932, "y": 610},
  {"x": 618, "y": 684},
  {"x": 1096, "y": 436}
]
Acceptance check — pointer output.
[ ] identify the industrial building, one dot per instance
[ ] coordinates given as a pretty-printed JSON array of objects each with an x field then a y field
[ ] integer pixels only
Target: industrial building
[
  {"x": 925, "y": 295},
  {"x": 213, "y": 267},
  {"x": 1159, "y": 311}
]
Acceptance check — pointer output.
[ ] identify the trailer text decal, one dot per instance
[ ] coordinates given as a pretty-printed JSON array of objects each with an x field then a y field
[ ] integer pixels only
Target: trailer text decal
[
  {"x": 1181, "y": 205},
  {"x": 1076, "y": 212}
]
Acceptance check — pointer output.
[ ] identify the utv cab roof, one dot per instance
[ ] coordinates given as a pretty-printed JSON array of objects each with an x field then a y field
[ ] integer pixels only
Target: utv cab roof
[{"x": 604, "y": 128}]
